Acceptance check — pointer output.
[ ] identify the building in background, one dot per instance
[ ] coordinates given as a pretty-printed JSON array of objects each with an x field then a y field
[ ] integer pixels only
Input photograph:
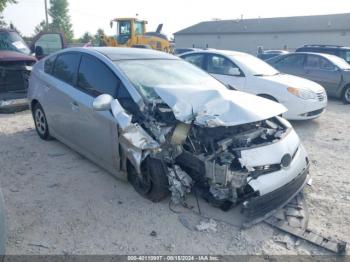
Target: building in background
[{"x": 248, "y": 35}]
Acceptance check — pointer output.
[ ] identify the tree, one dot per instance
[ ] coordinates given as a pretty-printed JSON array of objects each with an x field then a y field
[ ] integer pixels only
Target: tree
[
  {"x": 41, "y": 27},
  {"x": 98, "y": 35},
  {"x": 3, "y": 4},
  {"x": 86, "y": 38},
  {"x": 60, "y": 18}
]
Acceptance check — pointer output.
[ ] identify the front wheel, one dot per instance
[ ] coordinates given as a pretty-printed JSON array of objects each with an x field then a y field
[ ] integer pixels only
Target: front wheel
[
  {"x": 152, "y": 183},
  {"x": 346, "y": 95},
  {"x": 40, "y": 122}
]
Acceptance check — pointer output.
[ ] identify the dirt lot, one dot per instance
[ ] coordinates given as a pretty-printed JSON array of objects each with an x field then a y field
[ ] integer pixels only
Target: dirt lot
[{"x": 60, "y": 203}]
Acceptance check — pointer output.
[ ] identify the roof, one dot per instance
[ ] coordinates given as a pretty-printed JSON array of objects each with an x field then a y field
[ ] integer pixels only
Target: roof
[
  {"x": 125, "y": 53},
  {"x": 271, "y": 25}
]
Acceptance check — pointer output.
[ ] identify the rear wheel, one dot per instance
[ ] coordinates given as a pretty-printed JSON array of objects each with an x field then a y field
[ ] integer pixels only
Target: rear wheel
[
  {"x": 40, "y": 122},
  {"x": 346, "y": 95},
  {"x": 152, "y": 183}
]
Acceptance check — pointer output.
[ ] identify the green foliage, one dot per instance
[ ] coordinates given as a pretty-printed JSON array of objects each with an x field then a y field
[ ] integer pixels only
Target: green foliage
[
  {"x": 60, "y": 18},
  {"x": 87, "y": 37},
  {"x": 3, "y": 4},
  {"x": 41, "y": 27}
]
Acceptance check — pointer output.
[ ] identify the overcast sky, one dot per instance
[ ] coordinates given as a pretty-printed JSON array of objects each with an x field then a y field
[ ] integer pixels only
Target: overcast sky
[{"x": 88, "y": 15}]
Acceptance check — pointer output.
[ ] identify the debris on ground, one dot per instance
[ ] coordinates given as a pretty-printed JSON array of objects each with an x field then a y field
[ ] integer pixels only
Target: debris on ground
[
  {"x": 207, "y": 226},
  {"x": 153, "y": 234}
]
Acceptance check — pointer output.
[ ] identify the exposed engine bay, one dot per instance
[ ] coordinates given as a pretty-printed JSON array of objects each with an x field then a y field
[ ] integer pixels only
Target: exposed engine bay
[{"x": 207, "y": 159}]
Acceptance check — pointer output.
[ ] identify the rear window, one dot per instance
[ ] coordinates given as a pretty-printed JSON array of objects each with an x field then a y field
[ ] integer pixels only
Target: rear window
[{"x": 66, "y": 66}]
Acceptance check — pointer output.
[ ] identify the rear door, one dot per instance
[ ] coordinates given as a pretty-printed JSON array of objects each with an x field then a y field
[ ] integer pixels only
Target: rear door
[
  {"x": 95, "y": 132},
  {"x": 61, "y": 73},
  {"x": 221, "y": 68},
  {"x": 324, "y": 72}
]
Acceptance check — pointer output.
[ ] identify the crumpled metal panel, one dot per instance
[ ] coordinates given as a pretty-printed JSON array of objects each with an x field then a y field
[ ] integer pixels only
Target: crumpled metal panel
[{"x": 216, "y": 107}]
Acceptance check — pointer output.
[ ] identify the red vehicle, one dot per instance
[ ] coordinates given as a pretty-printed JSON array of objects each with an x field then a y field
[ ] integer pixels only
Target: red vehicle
[{"x": 16, "y": 61}]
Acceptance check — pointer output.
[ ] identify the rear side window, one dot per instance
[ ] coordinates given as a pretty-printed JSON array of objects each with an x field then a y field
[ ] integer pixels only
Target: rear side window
[
  {"x": 48, "y": 65},
  {"x": 66, "y": 66},
  {"x": 95, "y": 78},
  {"x": 292, "y": 60},
  {"x": 196, "y": 59}
]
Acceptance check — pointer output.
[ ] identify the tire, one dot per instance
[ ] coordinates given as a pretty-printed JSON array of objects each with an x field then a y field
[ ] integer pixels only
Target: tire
[
  {"x": 269, "y": 97},
  {"x": 346, "y": 95},
  {"x": 40, "y": 122},
  {"x": 153, "y": 182}
]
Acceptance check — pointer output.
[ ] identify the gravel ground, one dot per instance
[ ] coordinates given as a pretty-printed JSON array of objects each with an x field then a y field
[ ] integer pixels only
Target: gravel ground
[{"x": 57, "y": 202}]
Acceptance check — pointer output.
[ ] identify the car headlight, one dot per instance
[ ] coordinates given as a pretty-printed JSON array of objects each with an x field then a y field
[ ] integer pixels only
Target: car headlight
[{"x": 302, "y": 93}]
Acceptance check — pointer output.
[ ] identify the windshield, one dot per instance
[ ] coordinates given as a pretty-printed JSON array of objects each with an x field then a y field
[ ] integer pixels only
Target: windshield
[
  {"x": 339, "y": 62},
  {"x": 254, "y": 66},
  {"x": 146, "y": 74},
  {"x": 11, "y": 41}
]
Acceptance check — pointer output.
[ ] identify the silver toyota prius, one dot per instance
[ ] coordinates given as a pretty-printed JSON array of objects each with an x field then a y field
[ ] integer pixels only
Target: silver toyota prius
[{"x": 168, "y": 127}]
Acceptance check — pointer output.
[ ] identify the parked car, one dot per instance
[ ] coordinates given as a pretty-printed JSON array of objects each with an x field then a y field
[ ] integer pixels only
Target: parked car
[
  {"x": 179, "y": 51},
  {"x": 267, "y": 54},
  {"x": 128, "y": 110},
  {"x": 330, "y": 71},
  {"x": 16, "y": 61},
  {"x": 303, "y": 98},
  {"x": 337, "y": 50}
]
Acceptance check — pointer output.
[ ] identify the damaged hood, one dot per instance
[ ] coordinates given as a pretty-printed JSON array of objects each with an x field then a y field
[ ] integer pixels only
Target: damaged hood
[
  {"x": 214, "y": 107},
  {"x": 12, "y": 56}
]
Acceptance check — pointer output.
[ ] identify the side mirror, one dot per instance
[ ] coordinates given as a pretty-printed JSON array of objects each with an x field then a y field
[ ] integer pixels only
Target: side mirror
[
  {"x": 234, "y": 71},
  {"x": 102, "y": 102},
  {"x": 39, "y": 51}
]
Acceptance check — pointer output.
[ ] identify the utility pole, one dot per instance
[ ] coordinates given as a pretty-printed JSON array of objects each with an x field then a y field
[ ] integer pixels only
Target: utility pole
[{"x": 46, "y": 15}]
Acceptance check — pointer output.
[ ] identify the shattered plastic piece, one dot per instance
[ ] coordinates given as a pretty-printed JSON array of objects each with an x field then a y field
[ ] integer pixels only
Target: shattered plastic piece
[
  {"x": 123, "y": 119},
  {"x": 180, "y": 184},
  {"x": 207, "y": 226},
  {"x": 309, "y": 183},
  {"x": 139, "y": 138}
]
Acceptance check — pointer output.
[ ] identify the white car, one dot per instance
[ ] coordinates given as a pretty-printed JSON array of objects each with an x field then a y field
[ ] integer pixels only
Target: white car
[{"x": 303, "y": 98}]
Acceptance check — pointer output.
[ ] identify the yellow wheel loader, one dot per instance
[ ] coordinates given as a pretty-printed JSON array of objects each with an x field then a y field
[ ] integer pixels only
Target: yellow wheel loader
[{"x": 131, "y": 32}]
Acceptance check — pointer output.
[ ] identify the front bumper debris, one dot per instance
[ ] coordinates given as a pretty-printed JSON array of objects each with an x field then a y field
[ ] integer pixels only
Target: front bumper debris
[{"x": 293, "y": 219}]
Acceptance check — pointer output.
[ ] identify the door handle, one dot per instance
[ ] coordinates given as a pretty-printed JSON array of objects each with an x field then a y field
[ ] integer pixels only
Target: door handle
[{"x": 75, "y": 106}]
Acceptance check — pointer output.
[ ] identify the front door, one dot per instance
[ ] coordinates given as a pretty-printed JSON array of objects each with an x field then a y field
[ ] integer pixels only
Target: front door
[
  {"x": 95, "y": 132},
  {"x": 322, "y": 71}
]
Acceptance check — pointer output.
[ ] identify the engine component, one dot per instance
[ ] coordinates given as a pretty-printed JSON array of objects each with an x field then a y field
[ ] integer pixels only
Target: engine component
[
  {"x": 180, "y": 184},
  {"x": 180, "y": 134}
]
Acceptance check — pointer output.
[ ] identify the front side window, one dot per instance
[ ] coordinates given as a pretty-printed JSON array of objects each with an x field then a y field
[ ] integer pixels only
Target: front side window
[
  {"x": 49, "y": 64},
  {"x": 195, "y": 59},
  {"x": 95, "y": 78},
  {"x": 50, "y": 43},
  {"x": 66, "y": 66},
  {"x": 318, "y": 63},
  {"x": 220, "y": 65}
]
